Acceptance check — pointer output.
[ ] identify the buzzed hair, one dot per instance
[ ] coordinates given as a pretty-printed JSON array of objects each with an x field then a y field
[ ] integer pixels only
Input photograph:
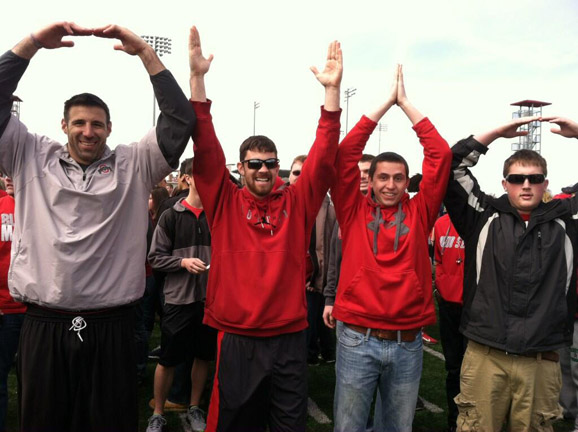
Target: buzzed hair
[
  {"x": 388, "y": 157},
  {"x": 259, "y": 143},
  {"x": 88, "y": 100},
  {"x": 526, "y": 157},
  {"x": 366, "y": 157}
]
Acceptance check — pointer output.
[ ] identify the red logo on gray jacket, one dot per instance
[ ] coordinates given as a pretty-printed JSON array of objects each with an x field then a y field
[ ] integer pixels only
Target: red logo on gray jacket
[{"x": 104, "y": 169}]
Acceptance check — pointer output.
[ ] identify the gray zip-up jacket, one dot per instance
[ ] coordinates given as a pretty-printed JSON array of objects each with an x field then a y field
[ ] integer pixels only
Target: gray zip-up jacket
[
  {"x": 80, "y": 236},
  {"x": 181, "y": 234}
]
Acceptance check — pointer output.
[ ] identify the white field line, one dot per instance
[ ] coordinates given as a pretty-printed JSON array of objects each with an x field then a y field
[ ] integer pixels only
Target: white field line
[
  {"x": 434, "y": 353},
  {"x": 431, "y": 407},
  {"x": 314, "y": 411}
]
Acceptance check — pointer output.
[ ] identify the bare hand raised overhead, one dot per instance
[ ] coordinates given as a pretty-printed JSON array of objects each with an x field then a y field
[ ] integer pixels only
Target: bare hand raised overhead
[{"x": 198, "y": 63}]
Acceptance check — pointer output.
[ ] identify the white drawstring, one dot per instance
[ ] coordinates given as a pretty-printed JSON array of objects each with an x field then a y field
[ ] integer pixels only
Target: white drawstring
[{"x": 78, "y": 324}]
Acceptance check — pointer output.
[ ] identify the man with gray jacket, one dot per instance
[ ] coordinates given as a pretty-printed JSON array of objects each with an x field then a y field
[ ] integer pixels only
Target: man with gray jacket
[{"x": 79, "y": 240}]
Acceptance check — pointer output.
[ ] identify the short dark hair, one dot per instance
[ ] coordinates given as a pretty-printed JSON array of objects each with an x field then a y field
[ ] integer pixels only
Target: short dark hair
[
  {"x": 257, "y": 142},
  {"x": 526, "y": 157},
  {"x": 85, "y": 99},
  {"x": 366, "y": 157},
  {"x": 388, "y": 157},
  {"x": 300, "y": 158},
  {"x": 186, "y": 167}
]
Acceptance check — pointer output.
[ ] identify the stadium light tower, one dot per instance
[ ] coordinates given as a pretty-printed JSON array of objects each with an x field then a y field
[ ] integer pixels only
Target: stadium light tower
[
  {"x": 256, "y": 106},
  {"x": 348, "y": 93},
  {"x": 161, "y": 45},
  {"x": 532, "y": 141}
]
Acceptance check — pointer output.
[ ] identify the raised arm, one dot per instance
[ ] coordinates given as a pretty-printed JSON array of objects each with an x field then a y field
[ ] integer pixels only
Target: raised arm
[
  {"x": 13, "y": 63},
  {"x": 509, "y": 130},
  {"x": 410, "y": 111},
  {"x": 209, "y": 170},
  {"x": 318, "y": 172},
  {"x": 132, "y": 44},
  {"x": 49, "y": 37},
  {"x": 346, "y": 192},
  {"x": 464, "y": 199}
]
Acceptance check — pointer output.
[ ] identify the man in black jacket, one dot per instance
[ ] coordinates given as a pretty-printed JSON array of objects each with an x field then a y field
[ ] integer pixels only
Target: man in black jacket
[{"x": 519, "y": 285}]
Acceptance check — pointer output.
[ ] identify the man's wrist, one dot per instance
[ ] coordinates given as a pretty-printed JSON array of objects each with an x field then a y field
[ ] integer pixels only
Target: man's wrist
[{"x": 35, "y": 41}]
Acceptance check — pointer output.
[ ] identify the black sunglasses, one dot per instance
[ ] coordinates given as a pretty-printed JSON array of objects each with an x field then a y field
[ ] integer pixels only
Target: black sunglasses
[
  {"x": 256, "y": 164},
  {"x": 521, "y": 178},
  {"x": 296, "y": 173}
]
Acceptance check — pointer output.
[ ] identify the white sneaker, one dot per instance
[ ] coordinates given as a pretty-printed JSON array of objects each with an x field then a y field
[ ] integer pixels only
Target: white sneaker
[
  {"x": 196, "y": 419},
  {"x": 156, "y": 423}
]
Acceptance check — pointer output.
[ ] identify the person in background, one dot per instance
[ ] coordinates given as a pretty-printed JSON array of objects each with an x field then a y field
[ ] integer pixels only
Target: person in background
[{"x": 11, "y": 312}]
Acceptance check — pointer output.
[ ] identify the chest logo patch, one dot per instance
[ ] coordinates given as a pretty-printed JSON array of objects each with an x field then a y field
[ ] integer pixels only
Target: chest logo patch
[{"x": 104, "y": 169}]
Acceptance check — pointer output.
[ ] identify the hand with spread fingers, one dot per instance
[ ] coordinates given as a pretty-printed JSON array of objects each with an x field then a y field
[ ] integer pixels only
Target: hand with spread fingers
[
  {"x": 198, "y": 63},
  {"x": 331, "y": 76}
]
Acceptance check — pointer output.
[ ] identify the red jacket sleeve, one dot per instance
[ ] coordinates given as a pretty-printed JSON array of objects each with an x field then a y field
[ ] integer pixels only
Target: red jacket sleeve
[
  {"x": 435, "y": 170},
  {"x": 318, "y": 173},
  {"x": 345, "y": 193},
  {"x": 209, "y": 170}
]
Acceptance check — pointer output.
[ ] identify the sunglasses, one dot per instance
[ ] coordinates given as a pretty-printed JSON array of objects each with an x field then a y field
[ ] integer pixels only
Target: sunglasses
[
  {"x": 256, "y": 164},
  {"x": 521, "y": 178},
  {"x": 296, "y": 173}
]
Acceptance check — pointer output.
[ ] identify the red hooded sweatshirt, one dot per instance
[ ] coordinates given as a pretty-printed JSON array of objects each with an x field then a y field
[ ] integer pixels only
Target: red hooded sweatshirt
[
  {"x": 386, "y": 280},
  {"x": 257, "y": 272}
]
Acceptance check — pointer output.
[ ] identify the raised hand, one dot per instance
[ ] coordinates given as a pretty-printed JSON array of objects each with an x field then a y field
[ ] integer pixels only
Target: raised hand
[
  {"x": 198, "y": 63},
  {"x": 568, "y": 128},
  {"x": 401, "y": 95},
  {"x": 50, "y": 37},
  {"x": 333, "y": 72},
  {"x": 509, "y": 130},
  {"x": 130, "y": 43}
]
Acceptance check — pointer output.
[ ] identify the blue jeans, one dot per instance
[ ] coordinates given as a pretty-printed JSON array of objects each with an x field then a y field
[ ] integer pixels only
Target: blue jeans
[
  {"x": 9, "y": 336},
  {"x": 366, "y": 363}
]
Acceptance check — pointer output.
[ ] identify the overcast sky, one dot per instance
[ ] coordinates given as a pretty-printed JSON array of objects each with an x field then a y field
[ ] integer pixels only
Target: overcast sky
[{"x": 464, "y": 63}]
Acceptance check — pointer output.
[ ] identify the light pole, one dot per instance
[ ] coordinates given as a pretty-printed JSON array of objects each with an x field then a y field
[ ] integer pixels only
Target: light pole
[
  {"x": 161, "y": 45},
  {"x": 256, "y": 105},
  {"x": 381, "y": 128},
  {"x": 348, "y": 93}
]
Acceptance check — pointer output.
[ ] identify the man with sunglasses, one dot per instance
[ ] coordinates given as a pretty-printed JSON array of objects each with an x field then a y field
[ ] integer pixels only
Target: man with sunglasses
[
  {"x": 255, "y": 293},
  {"x": 519, "y": 293}
]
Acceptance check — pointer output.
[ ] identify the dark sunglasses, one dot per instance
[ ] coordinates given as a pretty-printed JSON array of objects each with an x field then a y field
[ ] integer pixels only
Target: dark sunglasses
[
  {"x": 256, "y": 164},
  {"x": 296, "y": 173},
  {"x": 521, "y": 178}
]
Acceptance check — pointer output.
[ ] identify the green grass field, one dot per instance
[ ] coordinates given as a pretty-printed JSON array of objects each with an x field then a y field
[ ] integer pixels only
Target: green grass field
[{"x": 321, "y": 385}]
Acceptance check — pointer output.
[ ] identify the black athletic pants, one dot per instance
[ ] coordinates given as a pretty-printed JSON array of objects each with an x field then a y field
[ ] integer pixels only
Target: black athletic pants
[{"x": 77, "y": 371}]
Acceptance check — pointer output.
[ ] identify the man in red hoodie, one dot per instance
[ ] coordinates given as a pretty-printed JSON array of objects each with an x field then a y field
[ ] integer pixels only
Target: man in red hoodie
[
  {"x": 255, "y": 295},
  {"x": 384, "y": 296},
  {"x": 11, "y": 312}
]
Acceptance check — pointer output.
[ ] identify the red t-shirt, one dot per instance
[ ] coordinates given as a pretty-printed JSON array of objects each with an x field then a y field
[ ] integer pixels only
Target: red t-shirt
[{"x": 7, "y": 304}]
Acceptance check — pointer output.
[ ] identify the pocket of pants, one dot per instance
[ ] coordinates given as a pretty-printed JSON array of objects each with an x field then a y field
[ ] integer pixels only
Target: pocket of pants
[
  {"x": 543, "y": 420},
  {"x": 468, "y": 418},
  {"x": 350, "y": 338}
]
